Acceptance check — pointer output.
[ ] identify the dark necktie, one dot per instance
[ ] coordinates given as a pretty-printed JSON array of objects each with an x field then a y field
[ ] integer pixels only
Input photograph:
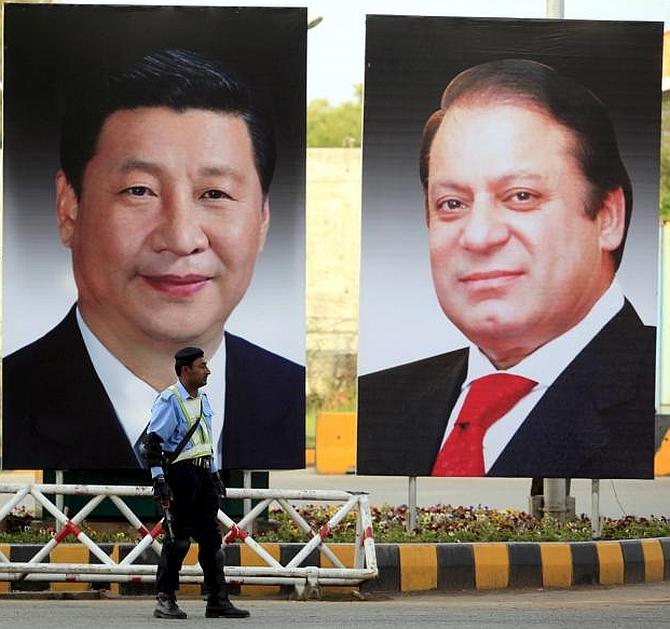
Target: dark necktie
[{"x": 488, "y": 399}]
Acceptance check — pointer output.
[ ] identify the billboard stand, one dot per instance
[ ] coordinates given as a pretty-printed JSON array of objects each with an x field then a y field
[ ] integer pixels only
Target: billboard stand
[
  {"x": 246, "y": 484},
  {"x": 554, "y": 498},
  {"x": 411, "y": 501},
  {"x": 59, "y": 498},
  {"x": 595, "y": 508}
]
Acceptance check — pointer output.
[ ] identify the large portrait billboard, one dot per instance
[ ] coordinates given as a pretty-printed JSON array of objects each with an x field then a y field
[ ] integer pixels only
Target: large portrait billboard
[
  {"x": 510, "y": 221},
  {"x": 153, "y": 199}
]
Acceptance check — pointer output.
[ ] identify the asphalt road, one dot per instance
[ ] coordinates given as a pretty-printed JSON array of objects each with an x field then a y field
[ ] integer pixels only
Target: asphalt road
[
  {"x": 617, "y": 498},
  {"x": 639, "y": 607}
]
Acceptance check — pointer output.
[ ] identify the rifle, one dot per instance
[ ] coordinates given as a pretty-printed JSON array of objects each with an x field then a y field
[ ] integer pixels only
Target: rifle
[
  {"x": 168, "y": 523},
  {"x": 168, "y": 519}
]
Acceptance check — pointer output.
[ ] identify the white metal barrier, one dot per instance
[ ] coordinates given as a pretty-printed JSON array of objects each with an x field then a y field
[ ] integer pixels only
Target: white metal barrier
[{"x": 273, "y": 572}]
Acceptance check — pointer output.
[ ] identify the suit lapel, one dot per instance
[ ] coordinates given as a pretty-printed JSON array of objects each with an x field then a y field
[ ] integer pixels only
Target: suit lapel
[
  {"x": 264, "y": 424},
  {"x": 568, "y": 429},
  {"x": 561, "y": 433},
  {"x": 403, "y": 412},
  {"x": 442, "y": 388},
  {"x": 78, "y": 424}
]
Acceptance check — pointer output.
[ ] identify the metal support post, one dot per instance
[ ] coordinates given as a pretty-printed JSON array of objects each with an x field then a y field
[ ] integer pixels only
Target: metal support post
[
  {"x": 554, "y": 498},
  {"x": 555, "y": 8},
  {"x": 60, "y": 500},
  {"x": 411, "y": 501},
  {"x": 595, "y": 508},
  {"x": 246, "y": 484}
]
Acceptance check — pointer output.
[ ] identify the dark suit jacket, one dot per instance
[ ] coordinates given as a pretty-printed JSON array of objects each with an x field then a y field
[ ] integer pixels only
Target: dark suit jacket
[
  {"x": 595, "y": 421},
  {"x": 56, "y": 413}
]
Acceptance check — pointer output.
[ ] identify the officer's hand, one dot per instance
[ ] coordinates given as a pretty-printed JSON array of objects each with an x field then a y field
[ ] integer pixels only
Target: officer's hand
[
  {"x": 162, "y": 492},
  {"x": 218, "y": 484}
]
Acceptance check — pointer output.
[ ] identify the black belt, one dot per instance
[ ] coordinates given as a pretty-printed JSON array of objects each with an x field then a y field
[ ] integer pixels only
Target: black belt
[{"x": 204, "y": 462}]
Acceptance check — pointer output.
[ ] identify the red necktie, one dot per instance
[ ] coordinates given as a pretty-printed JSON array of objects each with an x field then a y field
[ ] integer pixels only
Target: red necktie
[{"x": 488, "y": 399}]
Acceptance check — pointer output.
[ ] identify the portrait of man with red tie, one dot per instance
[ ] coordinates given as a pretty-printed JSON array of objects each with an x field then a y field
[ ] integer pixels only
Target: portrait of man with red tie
[{"x": 527, "y": 204}]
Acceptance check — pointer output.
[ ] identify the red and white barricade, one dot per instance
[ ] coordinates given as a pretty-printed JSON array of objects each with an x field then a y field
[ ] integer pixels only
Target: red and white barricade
[{"x": 272, "y": 572}]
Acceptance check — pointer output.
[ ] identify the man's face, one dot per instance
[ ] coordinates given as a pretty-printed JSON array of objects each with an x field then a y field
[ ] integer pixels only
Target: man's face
[
  {"x": 170, "y": 219},
  {"x": 515, "y": 259},
  {"x": 197, "y": 373}
]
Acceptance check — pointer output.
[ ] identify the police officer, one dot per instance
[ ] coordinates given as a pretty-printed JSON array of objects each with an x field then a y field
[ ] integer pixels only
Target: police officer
[{"x": 189, "y": 485}]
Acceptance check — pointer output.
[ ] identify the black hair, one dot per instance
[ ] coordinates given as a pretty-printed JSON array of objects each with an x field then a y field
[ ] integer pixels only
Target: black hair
[
  {"x": 185, "y": 358},
  {"x": 176, "y": 79},
  {"x": 566, "y": 101}
]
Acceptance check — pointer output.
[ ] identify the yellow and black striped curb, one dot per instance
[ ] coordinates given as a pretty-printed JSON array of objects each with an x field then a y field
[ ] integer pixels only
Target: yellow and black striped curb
[
  {"x": 488, "y": 566},
  {"x": 413, "y": 567}
]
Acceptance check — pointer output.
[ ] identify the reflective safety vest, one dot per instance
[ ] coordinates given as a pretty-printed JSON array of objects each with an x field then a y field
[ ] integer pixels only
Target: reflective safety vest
[{"x": 200, "y": 443}]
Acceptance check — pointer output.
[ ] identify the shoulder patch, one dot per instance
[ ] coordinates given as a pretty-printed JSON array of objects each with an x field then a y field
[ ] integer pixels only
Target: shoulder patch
[
  {"x": 166, "y": 394},
  {"x": 206, "y": 406}
]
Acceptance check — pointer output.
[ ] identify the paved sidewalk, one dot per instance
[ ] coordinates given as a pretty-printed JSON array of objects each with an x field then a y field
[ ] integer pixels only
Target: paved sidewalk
[{"x": 617, "y": 498}]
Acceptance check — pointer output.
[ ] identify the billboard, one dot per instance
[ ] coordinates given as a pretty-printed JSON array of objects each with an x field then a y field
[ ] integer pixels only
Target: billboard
[
  {"x": 141, "y": 215},
  {"x": 509, "y": 239}
]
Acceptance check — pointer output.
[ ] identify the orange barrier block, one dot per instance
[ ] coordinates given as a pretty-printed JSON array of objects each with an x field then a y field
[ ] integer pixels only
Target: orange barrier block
[
  {"x": 662, "y": 458},
  {"x": 335, "y": 443}
]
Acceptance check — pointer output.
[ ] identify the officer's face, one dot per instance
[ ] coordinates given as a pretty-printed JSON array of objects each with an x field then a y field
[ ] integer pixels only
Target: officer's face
[
  {"x": 171, "y": 218},
  {"x": 197, "y": 373},
  {"x": 515, "y": 259}
]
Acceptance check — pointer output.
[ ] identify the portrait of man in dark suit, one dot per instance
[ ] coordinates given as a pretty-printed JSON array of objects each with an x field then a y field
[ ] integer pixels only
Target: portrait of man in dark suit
[
  {"x": 163, "y": 200},
  {"x": 527, "y": 208}
]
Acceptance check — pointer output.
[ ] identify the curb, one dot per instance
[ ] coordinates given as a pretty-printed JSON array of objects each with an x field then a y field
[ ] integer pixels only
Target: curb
[
  {"x": 410, "y": 567},
  {"x": 488, "y": 566}
]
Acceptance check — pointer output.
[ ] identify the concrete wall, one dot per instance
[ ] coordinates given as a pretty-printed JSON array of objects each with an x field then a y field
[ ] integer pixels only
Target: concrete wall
[
  {"x": 664, "y": 321},
  {"x": 333, "y": 245}
]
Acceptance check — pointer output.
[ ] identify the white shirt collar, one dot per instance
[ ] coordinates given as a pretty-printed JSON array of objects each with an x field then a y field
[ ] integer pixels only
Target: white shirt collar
[
  {"x": 546, "y": 363},
  {"x": 132, "y": 398}
]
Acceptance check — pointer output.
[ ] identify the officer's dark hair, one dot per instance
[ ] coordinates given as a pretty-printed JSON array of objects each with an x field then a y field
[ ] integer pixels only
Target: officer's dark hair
[
  {"x": 569, "y": 103},
  {"x": 176, "y": 79},
  {"x": 185, "y": 358}
]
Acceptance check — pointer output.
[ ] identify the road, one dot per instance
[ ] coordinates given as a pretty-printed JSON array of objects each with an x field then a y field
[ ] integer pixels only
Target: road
[
  {"x": 617, "y": 498},
  {"x": 642, "y": 607}
]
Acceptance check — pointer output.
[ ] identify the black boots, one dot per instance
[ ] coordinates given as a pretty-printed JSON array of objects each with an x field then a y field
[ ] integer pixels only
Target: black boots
[
  {"x": 221, "y": 607},
  {"x": 166, "y": 607},
  {"x": 218, "y": 603}
]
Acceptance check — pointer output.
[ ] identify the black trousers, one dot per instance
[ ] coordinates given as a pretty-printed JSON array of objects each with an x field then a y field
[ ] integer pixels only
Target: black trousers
[{"x": 194, "y": 506}]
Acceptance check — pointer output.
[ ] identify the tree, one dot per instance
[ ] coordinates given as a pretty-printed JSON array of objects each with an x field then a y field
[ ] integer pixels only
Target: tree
[
  {"x": 665, "y": 158},
  {"x": 338, "y": 126}
]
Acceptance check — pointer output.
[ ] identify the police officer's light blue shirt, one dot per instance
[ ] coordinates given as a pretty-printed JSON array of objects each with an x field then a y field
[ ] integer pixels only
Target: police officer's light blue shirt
[{"x": 169, "y": 423}]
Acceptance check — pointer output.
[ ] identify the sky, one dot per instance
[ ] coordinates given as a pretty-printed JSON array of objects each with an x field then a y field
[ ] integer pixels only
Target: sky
[{"x": 336, "y": 46}]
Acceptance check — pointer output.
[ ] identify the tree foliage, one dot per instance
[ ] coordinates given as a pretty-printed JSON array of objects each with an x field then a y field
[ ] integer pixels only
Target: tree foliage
[
  {"x": 665, "y": 158},
  {"x": 335, "y": 126}
]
